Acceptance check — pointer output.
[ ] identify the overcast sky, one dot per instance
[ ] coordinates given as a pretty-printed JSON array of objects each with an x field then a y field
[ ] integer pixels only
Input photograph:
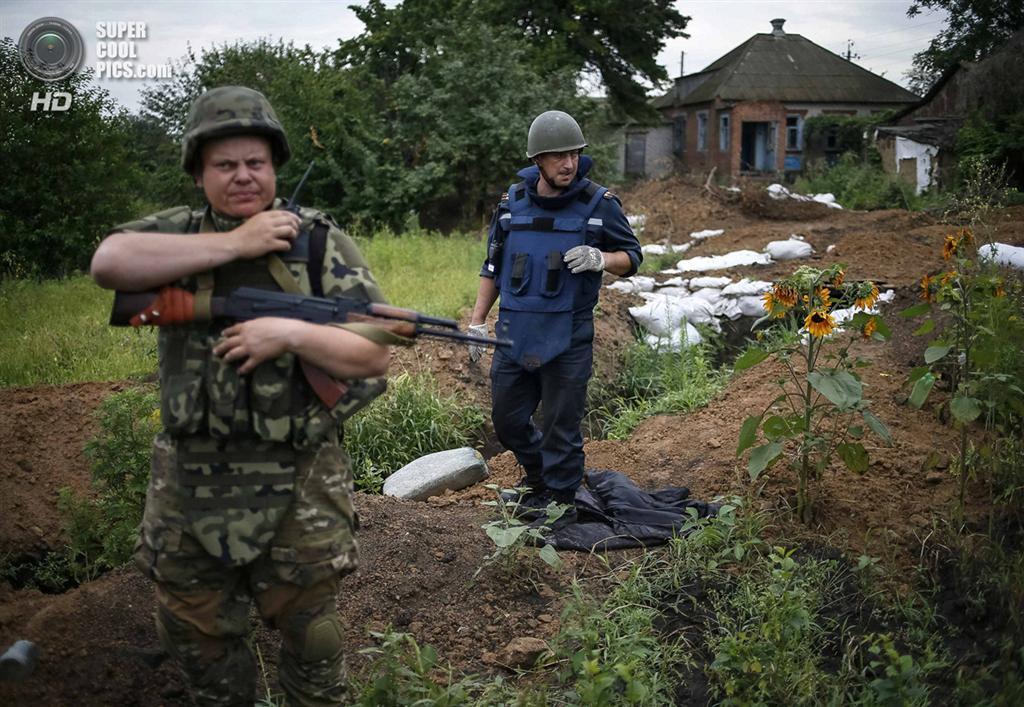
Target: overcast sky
[{"x": 882, "y": 35}]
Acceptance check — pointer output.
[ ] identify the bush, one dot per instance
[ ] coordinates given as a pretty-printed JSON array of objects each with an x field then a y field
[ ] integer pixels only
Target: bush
[
  {"x": 410, "y": 420},
  {"x": 858, "y": 184}
]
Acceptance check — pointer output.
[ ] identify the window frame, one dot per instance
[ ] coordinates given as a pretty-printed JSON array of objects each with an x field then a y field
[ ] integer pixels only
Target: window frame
[{"x": 702, "y": 131}]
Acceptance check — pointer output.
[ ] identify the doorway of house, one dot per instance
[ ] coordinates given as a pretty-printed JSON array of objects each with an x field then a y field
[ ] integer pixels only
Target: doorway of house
[{"x": 757, "y": 147}]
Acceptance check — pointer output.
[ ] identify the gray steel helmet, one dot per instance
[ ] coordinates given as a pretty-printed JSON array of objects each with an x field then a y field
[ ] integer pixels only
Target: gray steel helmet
[
  {"x": 231, "y": 110},
  {"x": 554, "y": 131}
]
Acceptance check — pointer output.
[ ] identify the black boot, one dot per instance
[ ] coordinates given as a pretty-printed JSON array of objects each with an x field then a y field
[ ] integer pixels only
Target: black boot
[{"x": 524, "y": 488}]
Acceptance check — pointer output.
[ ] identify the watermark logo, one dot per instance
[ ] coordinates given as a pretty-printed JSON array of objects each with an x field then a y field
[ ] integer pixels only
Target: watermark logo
[
  {"x": 51, "y": 49},
  {"x": 51, "y": 101}
]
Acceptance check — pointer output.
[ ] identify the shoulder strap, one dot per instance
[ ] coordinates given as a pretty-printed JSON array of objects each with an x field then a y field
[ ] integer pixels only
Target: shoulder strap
[{"x": 317, "y": 251}]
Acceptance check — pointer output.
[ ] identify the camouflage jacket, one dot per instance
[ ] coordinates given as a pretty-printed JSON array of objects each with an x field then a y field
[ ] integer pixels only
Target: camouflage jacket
[{"x": 203, "y": 395}]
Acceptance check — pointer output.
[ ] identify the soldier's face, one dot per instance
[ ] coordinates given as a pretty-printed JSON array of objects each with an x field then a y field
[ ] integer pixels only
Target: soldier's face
[
  {"x": 559, "y": 168},
  {"x": 238, "y": 175}
]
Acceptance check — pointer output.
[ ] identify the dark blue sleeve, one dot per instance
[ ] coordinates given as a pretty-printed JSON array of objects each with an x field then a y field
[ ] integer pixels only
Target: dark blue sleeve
[
  {"x": 492, "y": 233},
  {"x": 615, "y": 234}
]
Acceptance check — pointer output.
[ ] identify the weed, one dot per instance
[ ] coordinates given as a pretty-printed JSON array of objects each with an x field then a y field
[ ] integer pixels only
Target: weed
[
  {"x": 410, "y": 420},
  {"x": 405, "y": 673},
  {"x": 516, "y": 543}
]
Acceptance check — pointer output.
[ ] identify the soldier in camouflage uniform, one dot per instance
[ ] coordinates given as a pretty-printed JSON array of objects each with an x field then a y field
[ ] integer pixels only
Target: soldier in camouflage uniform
[{"x": 251, "y": 492}]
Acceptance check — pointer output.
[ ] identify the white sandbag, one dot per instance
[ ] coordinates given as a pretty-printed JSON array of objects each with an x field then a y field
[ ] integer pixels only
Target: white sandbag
[
  {"x": 708, "y": 233},
  {"x": 636, "y": 221},
  {"x": 729, "y": 308},
  {"x": 827, "y": 199},
  {"x": 653, "y": 249},
  {"x": 788, "y": 250},
  {"x": 634, "y": 285},
  {"x": 675, "y": 282},
  {"x": 751, "y": 306},
  {"x": 669, "y": 271},
  {"x": 682, "y": 247},
  {"x": 746, "y": 287},
  {"x": 681, "y": 338},
  {"x": 711, "y": 295},
  {"x": 662, "y": 314},
  {"x": 720, "y": 262},
  {"x": 777, "y": 191},
  {"x": 1002, "y": 254},
  {"x": 708, "y": 281},
  {"x": 674, "y": 291}
]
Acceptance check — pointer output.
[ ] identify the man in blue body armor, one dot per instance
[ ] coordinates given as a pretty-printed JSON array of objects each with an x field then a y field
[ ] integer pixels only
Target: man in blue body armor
[{"x": 552, "y": 237}]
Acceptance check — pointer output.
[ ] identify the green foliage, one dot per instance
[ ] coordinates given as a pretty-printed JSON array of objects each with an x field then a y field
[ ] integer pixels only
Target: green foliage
[
  {"x": 68, "y": 176},
  {"x": 102, "y": 528},
  {"x": 821, "y": 411},
  {"x": 851, "y": 132},
  {"x": 410, "y": 420},
  {"x": 973, "y": 30},
  {"x": 859, "y": 184},
  {"x": 425, "y": 270},
  {"x": 516, "y": 543},
  {"x": 994, "y": 141},
  {"x": 57, "y": 332},
  {"x": 652, "y": 383},
  {"x": 404, "y": 674}
]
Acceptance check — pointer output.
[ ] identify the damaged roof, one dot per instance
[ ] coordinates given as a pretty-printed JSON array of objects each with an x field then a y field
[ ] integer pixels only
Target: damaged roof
[{"x": 779, "y": 66}]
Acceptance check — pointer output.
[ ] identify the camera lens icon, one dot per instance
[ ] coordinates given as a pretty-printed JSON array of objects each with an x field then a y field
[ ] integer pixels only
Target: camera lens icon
[{"x": 51, "y": 49}]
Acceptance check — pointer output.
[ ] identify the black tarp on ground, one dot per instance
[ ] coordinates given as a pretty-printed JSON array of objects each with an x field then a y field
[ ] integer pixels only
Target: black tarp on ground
[{"x": 614, "y": 513}]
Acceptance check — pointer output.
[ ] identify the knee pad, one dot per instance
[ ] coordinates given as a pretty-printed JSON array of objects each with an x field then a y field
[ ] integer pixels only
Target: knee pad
[{"x": 322, "y": 639}]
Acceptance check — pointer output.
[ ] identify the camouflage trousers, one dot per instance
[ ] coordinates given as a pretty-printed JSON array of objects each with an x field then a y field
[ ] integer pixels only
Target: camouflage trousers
[{"x": 211, "y": 560}]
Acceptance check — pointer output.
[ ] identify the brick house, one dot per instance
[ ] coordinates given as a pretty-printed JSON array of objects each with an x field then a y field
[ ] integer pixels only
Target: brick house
[{"x": 744, "y": 114}]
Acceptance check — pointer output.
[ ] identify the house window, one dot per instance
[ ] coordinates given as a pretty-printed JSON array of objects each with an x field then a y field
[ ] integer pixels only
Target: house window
[
  {"x": 723, "y": 132},
  {"x": 679, "y": 135},
  {"x": 794, "y": 133},
  {"x": 832, "y": 138},
  {"x": 702, "y": 131}
]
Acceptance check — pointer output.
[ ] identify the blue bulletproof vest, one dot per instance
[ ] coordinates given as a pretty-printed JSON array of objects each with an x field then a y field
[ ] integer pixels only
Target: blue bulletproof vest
[{"x": 538, "y": 291}]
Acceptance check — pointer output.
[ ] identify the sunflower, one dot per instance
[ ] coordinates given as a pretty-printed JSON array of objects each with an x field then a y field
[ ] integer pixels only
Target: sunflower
[
  {"x": 949, "y": 247},
  {"x": 837, "y": 279},
  {"x": 947, "y": 278},
  {"x": 820, "y": 323},
  {"x": 785, "y": 295},
  {"x": 773, "y": 306},
  {"x": 999, "y": 291},
  {"x": 966, "y": 236},
  {"x": 823, "y": 294},
  {"x": 866, "y": 301},
  {"x": 869, "y": 328},
  {"x": 926, "y": 289}
]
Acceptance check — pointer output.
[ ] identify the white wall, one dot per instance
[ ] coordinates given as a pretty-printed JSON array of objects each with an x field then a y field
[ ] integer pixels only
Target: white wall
[{"x": 925, "y": 155}]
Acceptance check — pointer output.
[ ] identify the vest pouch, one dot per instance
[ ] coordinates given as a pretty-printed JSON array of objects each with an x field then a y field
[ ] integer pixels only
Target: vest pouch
[
  {"x": 183, "y": 402},
  {"x": 226, "y": 392},
  {"x": 519, "y": 273},
  {"x": 361, "y": 392},
  {"x": 235, "y": 495},
  {"x": 554, "y": 275},
  {"x": 270, "y": 396}
]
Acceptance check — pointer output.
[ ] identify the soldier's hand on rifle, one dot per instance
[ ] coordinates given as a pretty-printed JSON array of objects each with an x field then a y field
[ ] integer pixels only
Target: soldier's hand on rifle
[
  {"x": 477, "y": 350},
  {"x": 584, "y": 258},
  {"x": 266, "y": 232},
  {"x": 256, "y": 341}
]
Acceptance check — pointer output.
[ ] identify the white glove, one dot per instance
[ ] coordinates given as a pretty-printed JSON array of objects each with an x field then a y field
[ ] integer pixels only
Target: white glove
[
  {"x": 584, "y": 258},
  {"x": 477, "y": 350}
]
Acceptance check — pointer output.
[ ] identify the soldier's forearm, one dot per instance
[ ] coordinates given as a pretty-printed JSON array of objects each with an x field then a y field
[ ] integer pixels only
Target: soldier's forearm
[
  {"x": 617, "y": 263},
  {"x": 134, "y": 261},
  {"x": 486, "y": 296}
]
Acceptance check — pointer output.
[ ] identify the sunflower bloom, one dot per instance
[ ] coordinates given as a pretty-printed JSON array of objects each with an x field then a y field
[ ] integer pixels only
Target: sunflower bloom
[
  {"x": 820, "y": 323},
  {"x": 999, "y": 291},
  {"x": 949, "y": 247},
  {"x": 926, "y": 289},
  {"x": 947, "y": 278},
  {"x": 867, "y": 301},
  {"x": 837, "y": 281},
  {"x": 773, "y": 307},
  {"x": 786, "y": 296},
  {"x": 869, "y": 328},
  {"x": 823, "y": 294},
  {"x": 966, "y": 236}
]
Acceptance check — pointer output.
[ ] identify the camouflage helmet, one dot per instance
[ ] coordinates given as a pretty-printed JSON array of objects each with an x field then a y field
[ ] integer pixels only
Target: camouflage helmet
[
  {"x": 554, "y": 131},
  {"x": 231, "y": 110}
]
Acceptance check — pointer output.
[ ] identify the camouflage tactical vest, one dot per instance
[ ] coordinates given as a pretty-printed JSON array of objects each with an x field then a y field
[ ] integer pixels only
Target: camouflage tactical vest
[{"x": 201, "y": 394}]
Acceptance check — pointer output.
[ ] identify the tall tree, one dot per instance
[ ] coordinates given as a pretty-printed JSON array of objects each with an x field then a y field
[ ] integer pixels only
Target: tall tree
[{"x": 974, "y": 28}]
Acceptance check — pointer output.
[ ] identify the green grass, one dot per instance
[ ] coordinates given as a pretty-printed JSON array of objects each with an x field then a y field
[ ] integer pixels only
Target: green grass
[
  {"x": 56, "y": 331},
  {"x": 435, "y": 274}
]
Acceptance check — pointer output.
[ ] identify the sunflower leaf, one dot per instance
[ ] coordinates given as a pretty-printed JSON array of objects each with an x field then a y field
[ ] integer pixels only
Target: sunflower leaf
[
  {"x": 916, "y": 311},
  {"x": 934, "y": 353},
  {"x": 839, "y": 387},
  {"x": 751, "y": 357},
  {"x": 854, "y": 456},
  {"x": 748, "y": 433},
  {"x": 762, "y": 457},
  {"x": 965, "y": 409},
  {"x": 877, "y": 426},
  {"x": 925, "y": 328}
]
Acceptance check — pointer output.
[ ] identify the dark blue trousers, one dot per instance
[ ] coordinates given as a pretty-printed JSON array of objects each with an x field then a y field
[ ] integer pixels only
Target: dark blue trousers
[{"x": 551, "y": 454}]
